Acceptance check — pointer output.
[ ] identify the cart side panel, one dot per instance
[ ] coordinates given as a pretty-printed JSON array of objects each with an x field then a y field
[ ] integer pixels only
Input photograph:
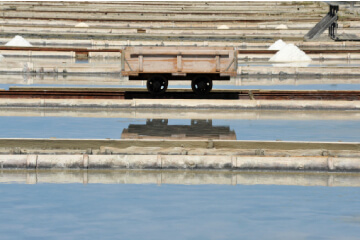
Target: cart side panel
[
  {"x": 159, "y": 64},
  {"x": 195, "y": 64},
  {"x": 178, "y": 60}
]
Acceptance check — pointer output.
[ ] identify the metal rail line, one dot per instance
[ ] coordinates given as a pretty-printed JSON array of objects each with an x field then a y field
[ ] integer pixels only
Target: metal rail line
[
  {"x": 184, "y": 94},
  {"x": 251, "y": 51},
  {"x": 58, "y": 49},
  {"x": 232, "y": 20}
]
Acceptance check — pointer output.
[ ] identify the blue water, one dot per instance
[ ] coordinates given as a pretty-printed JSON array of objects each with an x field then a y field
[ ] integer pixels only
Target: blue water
[
  {"x": 128, "y": 211},
  {"x": 254, "y": 129},
  {"x": 97, "y": 211}
]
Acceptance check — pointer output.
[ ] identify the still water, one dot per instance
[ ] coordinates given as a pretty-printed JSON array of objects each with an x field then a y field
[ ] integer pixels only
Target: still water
[
  {"x": 231, "y": 129},
  {"x": 268, "y": 209},
  {"x": 149, "y": 211}
]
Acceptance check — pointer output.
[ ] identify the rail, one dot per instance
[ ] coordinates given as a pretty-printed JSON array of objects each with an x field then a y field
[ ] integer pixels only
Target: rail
[
  {"x": 95, "y": 93},
  {"x": 239, "y": 51}
]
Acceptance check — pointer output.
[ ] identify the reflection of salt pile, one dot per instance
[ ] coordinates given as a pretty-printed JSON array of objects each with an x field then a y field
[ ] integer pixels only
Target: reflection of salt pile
[
  {"x": 18, "y": 41},
  {"x": 82, "y": 24},
  {"x": 290, "y": 53},
  {"x": 222, "y": 27},
  {"x": 279, "y": 44}
]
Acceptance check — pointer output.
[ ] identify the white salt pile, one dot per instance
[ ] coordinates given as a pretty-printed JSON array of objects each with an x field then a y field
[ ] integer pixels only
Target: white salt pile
[
  {"x": 279, "y": 44},
  {"x": 292, "y": 64},
  {"x": 290, "y": 53},
  {"x": 222, "y": 27},
  {"x": 82, "y": 24},
  {"x": 281, "y": 26},
  {"x": 18, "y": 41}
]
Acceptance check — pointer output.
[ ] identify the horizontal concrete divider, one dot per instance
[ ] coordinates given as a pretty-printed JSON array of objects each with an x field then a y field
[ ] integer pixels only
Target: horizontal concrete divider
[
  {"x": 289, "y": 163},
  {"x": 124, "y": 161},
  {"x": 85, "y": 161},
  {"x": 186, "y": 114},
  {"x": 182, "y": 104},
  {"x": 180, "y": 177},
  {"x": 50, "y": 146}
]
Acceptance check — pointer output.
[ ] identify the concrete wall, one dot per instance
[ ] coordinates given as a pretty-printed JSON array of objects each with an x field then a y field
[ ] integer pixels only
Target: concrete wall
[
  {"x": 180, "y": 177},
  {"x": 323, "y": 163},
  {"x": 181, "y": 104}
]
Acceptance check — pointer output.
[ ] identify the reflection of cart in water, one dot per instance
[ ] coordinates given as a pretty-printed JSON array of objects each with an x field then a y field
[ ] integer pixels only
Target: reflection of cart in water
[
  {"x": 159, "y": 129},
  {"x": 158, "y": 65}
]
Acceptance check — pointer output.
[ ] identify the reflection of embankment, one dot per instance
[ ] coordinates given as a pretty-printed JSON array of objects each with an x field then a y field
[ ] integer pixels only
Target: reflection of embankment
[
  {"x": 159, "y": 129},
  {"x": 180, "y": 177}
]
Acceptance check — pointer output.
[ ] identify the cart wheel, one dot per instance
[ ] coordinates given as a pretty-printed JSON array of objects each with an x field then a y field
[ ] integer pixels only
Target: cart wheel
[
  {"x": 157, "y": 84},
  {"x": 201, "y": 85}
]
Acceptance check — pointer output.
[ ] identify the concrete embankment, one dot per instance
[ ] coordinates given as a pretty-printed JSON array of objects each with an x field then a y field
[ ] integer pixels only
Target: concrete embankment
[
  {"x": 180, "y": 104},
  {"x": 185, "y": 114},
  {"x": 324, "y": 163},
  {"x": 181, "y": 154},
  {"x": 180, "y": 177}
]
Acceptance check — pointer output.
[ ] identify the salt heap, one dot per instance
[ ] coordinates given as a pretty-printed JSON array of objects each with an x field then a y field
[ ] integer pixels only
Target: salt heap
[
  {"x": 292, "y": 64},
  {"x": 279, "y": 44},
  {"x": 281, "y": 26},
  {"x": 222, "y": 27},
  {"x": 290, "y": 53},
  {"x": 18, "y": 41},
  {"x": 82, "y": 24}
]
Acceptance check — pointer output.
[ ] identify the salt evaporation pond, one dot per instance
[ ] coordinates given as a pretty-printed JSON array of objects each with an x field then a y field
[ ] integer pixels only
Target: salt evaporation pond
[
  {"x": 149, "y": 211},
  {"x": 245, "y": 129}
]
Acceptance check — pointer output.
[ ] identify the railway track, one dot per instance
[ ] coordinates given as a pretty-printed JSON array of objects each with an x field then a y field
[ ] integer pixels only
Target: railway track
[
  {"x": 74, "y": 93},
  {"x": 87, "y": 50}
]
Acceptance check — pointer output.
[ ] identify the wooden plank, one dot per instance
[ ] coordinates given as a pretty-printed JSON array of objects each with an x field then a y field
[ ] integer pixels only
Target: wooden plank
[
  {"x": 141, "y": 61},
  {"x": 179, "y": 63},
  {"x": 182, "y": 52}
]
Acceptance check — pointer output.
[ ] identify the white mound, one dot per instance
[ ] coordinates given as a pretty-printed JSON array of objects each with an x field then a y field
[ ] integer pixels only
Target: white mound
[
  {"x": 281, "y": 26},
  {"x": 290, "y": 53},
  {"x": 279, "y": 44},
  {"x": 82, "y": 24},
  {"x": 222, "y": 27},
  {"x": 18, "y": 41},
  {"x": 292, "y": 64}
]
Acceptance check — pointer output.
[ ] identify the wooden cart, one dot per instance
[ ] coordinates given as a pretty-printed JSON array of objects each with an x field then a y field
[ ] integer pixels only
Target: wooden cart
[{"x": 158, "y": 65}]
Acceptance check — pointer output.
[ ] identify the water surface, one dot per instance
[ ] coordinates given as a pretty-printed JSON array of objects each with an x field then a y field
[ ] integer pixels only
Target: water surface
[
  {"x": 98, "y": 211},
  {"x": 244, "y": 129}
]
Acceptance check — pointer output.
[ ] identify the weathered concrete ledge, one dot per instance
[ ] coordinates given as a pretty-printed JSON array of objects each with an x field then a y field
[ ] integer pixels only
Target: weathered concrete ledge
[
  {"x": 180, "y": 177},
  {"x": 89, "y": 146},
  {"x": 85, "y": 161},
  {"x": 181, "y": 104},
  {"x": 184, "y": 114},
  {"x": 180, "y": 154}
]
